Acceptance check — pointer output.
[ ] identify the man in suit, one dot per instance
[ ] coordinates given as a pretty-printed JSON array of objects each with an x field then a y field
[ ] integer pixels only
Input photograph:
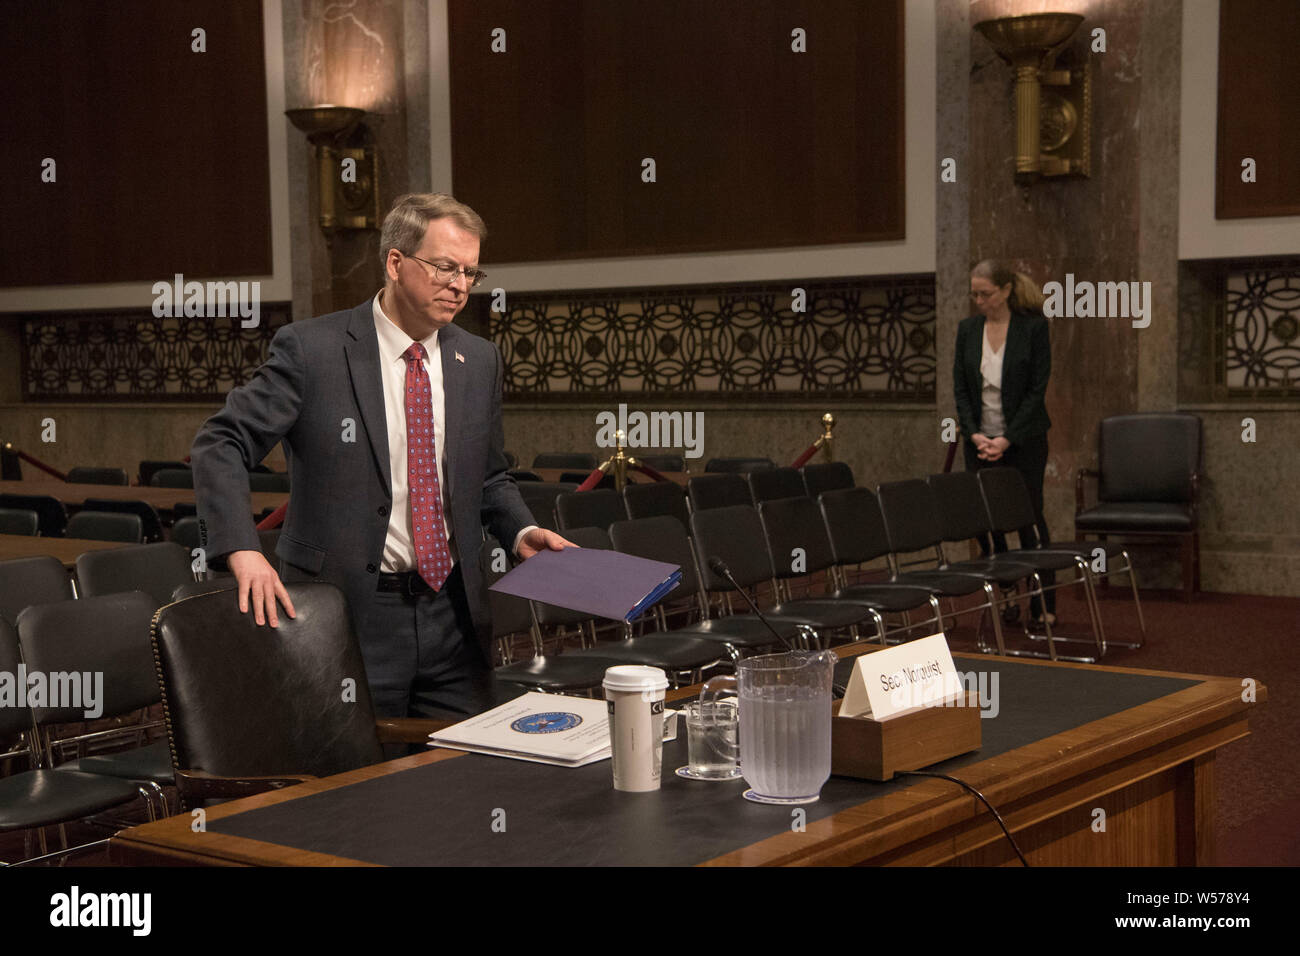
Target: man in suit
[{"x": 391, "y": 419}]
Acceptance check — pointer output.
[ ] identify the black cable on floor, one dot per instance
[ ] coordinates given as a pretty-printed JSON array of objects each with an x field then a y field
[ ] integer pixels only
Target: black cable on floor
[{"x": 997, "y": 816}]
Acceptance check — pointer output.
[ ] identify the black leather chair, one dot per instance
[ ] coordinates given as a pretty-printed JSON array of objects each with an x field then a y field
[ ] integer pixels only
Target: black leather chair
[
  {"x": 150, "y": 523},
  {"x": 584, "y": 461},
  {"x": 649, "y": 499},
  {"x": 172, "y": 478},
  {"x": 717, "y": 491},
  {"x": 662, "y": 463},
  {"x": 98, "y": 476},
  {"x": 826, "y": 476},
  {"x": 106, "y": 526},
  {"x": 19, "y": 521},
  {"x": 1148, "y": 481},
  {"x": 540, "y": 497},
  {"x": 150, "y": 468},
  {"x": 251, "y": 708},
  {"x": 598, "y": 508},
  {"x": 27, "y": 581},
  {"x": 156, "y": 569},
  {"x": 772, "y": 484},
  {"x": 738, "y": 466},
  {"x": 52, "y": 517}
]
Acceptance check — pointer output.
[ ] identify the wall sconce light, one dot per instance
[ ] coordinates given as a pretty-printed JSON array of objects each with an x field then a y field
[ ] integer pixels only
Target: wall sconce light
[
  {"x": 348, "y": 192},
  {"x": 1053, "y": 125}
]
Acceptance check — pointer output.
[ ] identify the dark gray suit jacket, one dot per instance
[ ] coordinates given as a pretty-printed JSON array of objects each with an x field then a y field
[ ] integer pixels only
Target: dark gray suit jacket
[
  {"x": 321, "y": 380},
  {"x": 1026, "y": 367}
]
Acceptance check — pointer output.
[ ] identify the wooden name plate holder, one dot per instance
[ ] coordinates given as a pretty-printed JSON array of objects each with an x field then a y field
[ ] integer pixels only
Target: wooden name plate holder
[{"x": 872, "y": 749}]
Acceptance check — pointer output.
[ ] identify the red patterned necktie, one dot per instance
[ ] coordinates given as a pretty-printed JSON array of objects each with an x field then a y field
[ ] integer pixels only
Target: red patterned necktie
[{"x": 428, "y": 530}]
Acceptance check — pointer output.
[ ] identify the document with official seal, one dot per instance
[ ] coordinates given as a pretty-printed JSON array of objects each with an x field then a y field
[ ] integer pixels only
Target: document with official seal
[{"x": 543, "y": 728}]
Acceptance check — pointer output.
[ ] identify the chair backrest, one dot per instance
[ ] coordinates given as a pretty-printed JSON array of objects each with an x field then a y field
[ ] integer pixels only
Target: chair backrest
[
  {"x": 662, "y": 463},
  {"x": 19, "y": 521},
  {"x": 598, "y": 508},
  {"x": 911, "y": 515},
  {"x": 106, "y": 526},
  {"x": 1149, "y": 457},
  {"x": 172, "y": 478},
  {"x": 1007, "y": 499},
  {"x": 242, "y": 700},
  {"x": 540, "y": 497},
  {"x": 796, "y": 536},
  {"x": 854, "y": 525},
  {"x": 15, "y": 718},
  {"x": 183, "y": 591},
  {"x": 961, "y": 504},
  {"x": 51, "y": 515},
  {"x": 268, "y": 482},
  {"x": 566, "y": 459},
  {"x": 770, "y": 484},
  {"x": 741, "y": 466},
  {"x": 150, "y": 468},
  {"x": 734, "y": 534},
  {"x": 149, "y": 520},
  {"x": 98, "y": 476},
  {"x": 550, "y": 614},
  {"x": 510, "y": 614},
  {"x": 649, "y": 499},
  {"x": 185, "y": 532},
  {"x": 520, "y": 474},
  {"x": 27, "y": 581},
  {"x": 156, "y": 569},
  {"x": 717, "y": 491},
  {"x": 659, "y": 538},
  {"x": 826, "y": 476},
  {"x": 100, "y": 641}
]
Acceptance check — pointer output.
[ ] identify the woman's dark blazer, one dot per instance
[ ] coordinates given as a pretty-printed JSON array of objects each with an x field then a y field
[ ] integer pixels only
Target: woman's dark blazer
[{"x": 1026, "y": 366}]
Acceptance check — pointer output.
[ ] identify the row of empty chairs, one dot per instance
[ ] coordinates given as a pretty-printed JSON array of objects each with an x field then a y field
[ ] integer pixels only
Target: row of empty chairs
[{"x": 585, "y": 462}]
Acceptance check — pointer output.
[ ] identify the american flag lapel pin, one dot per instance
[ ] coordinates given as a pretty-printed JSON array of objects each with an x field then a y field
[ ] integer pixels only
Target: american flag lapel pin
[{"x": 460, "y": 358}]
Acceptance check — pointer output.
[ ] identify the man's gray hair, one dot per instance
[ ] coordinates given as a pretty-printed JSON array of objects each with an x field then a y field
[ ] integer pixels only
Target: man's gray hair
[{"x": 408, "y": 220}]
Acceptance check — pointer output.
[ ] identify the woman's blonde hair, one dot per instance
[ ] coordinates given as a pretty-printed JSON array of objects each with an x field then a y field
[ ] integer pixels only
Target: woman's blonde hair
[{"x": 1025, "y": 293}]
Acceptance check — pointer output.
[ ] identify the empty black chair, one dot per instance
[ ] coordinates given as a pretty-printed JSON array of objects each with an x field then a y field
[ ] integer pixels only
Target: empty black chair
[
  {"x": 1148, "y": 482},
  {"x": 540, "y": 497},
  {"x": 183, "y": 509},
  {"x": 28, "y": 581},
  {"x": 771, "y": 484},
  {"x": 19, "y": 521},
  {"x": 98, "y": 476},
  {"x": 106, "y": 526},
  {"x": 800, "y": 546},
  {"x": 52, "y": 517},
  {"x": 185, "y": 532},
  {"x": 251, "y": 708},
  {"x": 584, "y": 461},
  {"x": 648, "y": 499},
  {"x": 274, "y": 481},
  {"x": 106, "y": 636},
  {"x": 172, "y": 478},
  {"x": 149, "y": 468},
  {"x": 598, "y": 508},
  {"x": 717, "y": 491},
  {"x": 150, "y": 523},
  {"x": 741, "y": 466},
  {"x": 156, "y": 569},
  {"x": 519, "y": 474},
  {"x": 35, "y": 799},
  {"x": 662, "y": 538},
  {"x": 826, "y": 476},
  {"x": 662, "y": 463}
]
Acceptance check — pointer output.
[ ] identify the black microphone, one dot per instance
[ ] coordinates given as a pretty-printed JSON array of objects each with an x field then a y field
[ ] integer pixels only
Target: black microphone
[{"x": 719, "y": 567}]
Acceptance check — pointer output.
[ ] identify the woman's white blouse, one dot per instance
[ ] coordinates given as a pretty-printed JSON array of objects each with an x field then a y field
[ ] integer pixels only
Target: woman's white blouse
[{"x": 992, "y": 422}]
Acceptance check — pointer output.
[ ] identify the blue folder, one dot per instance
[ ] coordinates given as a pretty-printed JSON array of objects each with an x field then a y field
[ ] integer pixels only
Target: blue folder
[{"x": 603, "y": 583}]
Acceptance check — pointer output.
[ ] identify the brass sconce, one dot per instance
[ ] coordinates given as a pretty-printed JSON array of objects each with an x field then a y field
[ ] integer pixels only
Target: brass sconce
[
  {"x": 349, "y": 198},
  {"x": 1053, "y": 107}
]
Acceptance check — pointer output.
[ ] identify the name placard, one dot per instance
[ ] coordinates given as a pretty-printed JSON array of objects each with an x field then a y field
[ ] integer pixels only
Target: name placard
[{"x": 899, "y": 679}]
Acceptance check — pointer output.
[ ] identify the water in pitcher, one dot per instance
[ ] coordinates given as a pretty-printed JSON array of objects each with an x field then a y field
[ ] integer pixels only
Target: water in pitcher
[{"x": 785, "y": 741}]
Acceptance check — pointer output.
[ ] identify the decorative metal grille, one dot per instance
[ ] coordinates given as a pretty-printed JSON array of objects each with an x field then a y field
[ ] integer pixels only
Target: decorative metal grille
[
  {"x": 857, "y": 339},
  {"x": 1258, "y": 335},
  {"x": 133, "y": 356}
]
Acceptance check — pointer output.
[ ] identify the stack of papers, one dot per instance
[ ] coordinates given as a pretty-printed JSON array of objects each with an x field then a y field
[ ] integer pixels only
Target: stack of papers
[{"x": 543, "y": 728}]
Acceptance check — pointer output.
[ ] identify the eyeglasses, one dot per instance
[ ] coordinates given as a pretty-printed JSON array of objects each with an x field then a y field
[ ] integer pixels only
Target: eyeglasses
[
  {"x": 449, "y": 273},
  {"x": 981, "y": 296}
]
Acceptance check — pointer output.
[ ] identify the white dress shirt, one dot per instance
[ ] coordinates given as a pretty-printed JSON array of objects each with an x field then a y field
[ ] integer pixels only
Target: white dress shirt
[
  {"x": 399, "y": 547},
  {"x": 992, "y": 422}
]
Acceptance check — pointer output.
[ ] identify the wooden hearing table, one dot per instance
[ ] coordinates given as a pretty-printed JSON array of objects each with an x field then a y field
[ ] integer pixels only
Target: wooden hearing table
[{"x": 1147, "y": 761}]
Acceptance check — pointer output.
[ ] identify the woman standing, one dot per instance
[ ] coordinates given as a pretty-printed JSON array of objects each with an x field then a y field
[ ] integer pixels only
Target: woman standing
[{"x": 1000, "y": 372}]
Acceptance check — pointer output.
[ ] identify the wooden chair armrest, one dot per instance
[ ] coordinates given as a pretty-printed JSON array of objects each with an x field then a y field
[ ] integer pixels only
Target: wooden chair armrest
[
  {"x": 408, "y": 730},
  {"x": 200, "y": 784}
]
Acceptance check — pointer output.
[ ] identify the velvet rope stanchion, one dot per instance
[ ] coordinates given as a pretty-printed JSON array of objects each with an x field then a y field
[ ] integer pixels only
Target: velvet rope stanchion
[
  {"x": 591, "y": 480},
  {"x": 274, "y": 519},
  {"x": 48, "y": 469},
  {"x": 803, "y": 459},
  {"x": 826, "y": 442}
]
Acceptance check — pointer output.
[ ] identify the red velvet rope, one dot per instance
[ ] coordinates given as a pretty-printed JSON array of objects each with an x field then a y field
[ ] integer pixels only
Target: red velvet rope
[
  {"x": 275, "y": 518},
  {"x": 40, "y": 464},
  {"x": 650, "y": 472},
  {"x": 592, "y": 480},
  {"x": 803, "y": 459},
  {"x": 952, "y": 453}
]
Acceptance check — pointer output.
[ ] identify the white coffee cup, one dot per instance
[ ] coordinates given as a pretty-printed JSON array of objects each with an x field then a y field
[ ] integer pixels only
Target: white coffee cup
[{"x": 636, "y": 725}]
